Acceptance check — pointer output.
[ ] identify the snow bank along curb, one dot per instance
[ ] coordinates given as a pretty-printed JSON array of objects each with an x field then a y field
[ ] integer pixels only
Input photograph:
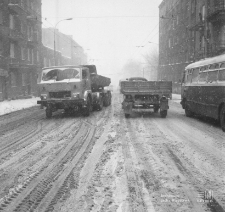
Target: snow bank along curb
[{"x": 19, "y": 104}]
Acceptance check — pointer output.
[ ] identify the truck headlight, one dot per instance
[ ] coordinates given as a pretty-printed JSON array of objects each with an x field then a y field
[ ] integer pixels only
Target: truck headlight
[
  {"x": 43, "y": 96},
  {"x": 76, "y": 95}
]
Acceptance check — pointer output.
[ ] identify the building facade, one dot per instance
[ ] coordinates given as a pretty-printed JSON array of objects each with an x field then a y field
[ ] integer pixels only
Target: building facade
[
  {"x": 67, "y": 51},
  {"x": 189, "y": 30},
  {"x": 20, "y": 47}
]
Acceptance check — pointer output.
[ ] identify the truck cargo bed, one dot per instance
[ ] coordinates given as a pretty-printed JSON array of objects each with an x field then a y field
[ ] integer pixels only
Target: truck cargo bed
[{"x": 149, "y": 87}]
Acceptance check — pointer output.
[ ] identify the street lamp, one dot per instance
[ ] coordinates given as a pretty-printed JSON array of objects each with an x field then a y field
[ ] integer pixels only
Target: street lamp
[{"x": 68, "y": 19}]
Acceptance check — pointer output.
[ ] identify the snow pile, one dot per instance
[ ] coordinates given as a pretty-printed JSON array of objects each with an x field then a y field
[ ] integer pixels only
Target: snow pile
[{"x": 19, "y": 104}]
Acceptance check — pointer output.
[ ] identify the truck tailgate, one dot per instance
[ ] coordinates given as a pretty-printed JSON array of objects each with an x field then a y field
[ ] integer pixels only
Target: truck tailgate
[{"x": 151, "y": 87}]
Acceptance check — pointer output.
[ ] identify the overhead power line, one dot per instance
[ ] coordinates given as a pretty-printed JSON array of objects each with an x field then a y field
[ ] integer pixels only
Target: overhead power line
[{"x": 122, "y": 16}]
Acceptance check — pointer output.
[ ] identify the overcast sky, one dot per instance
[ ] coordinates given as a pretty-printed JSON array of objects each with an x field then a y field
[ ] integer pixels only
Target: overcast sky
[{"x": 110, "y": 31}]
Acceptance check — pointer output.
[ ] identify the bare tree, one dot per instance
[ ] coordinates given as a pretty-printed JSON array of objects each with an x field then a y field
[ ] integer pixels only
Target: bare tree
[
  {"x": 152, "y": 63},
  {"x": 132, "y": 68}
]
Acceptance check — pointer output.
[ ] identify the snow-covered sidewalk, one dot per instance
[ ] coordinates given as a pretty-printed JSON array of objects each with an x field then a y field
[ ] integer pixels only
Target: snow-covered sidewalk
[{"x": 19, "y": 104}]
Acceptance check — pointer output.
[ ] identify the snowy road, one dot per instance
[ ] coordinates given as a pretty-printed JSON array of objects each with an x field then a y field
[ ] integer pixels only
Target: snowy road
[{"x": 108, "y": 163}]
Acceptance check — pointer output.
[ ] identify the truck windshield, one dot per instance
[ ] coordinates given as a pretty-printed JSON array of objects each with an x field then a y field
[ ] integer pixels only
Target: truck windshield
[{"x": 59, "y": 74}]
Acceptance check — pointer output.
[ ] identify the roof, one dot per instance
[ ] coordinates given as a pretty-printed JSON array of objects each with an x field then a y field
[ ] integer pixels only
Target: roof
[
  {"x": 207, "y": 61},
  {"x": 137, "y": 79}
]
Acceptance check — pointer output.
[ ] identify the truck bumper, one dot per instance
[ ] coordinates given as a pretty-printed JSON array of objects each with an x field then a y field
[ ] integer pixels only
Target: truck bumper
[{"x": 61, "y": 104}]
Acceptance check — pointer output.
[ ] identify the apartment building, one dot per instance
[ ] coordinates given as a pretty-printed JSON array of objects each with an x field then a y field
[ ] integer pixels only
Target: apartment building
[
  {"x": 20, "y": 47},
  {"x": 189, "y": 30},
  {"x": 67, "y": 51}
]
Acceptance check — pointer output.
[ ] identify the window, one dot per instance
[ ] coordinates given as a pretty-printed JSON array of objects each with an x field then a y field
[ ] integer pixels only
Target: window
[
  {"x": 204, "y": 68},
  {"x": 32, "y": 56},
  {"x": 22, "y": 28},
  {"x": 1, "y": 47},
  {"x": 221, "y": 76},
  {"x": 212, "y": 76},
  {"x": 212, "y": 67},
  {"x": 192, "y": 6},
  {"x": 203, "y": 12},
  {"x": 29, "y": 33},
  {"x": 203, "y": 77},
  {"x": 189, "y": 75},
  {"x": 22, "y": 53},
  {"x": 84, "y": 74},
  {"x": 28, "y": 54},
  {"x": 195, "y": 73},
  {"x": 1, "y": 17},
  {"x": 24, "y": 77},
  {"x": 37, "y": 56},
  {"x": 11, "y": 21},
  {"x": 222, "y": 65},
  {"x": 13, "y": 79},
  {"x": 12, "y": 50}
]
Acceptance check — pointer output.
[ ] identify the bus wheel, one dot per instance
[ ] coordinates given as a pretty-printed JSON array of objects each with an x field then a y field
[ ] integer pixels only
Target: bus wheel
[
  {"x": 222, "y": 118},
  {"x": 48, "y": 112},
  {"x": 163, "y": 113}
]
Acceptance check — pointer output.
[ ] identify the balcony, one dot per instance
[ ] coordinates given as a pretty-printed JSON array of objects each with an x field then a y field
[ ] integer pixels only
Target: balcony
[
  {"x": 15, "y": 35},
  {"x": 32, "y": 40},
  {"x": 199, "y": 26},
  {"x": 34, "y": 18},
  {"x": 217, "y": 12},
  {"x": 16, "y": 6}
]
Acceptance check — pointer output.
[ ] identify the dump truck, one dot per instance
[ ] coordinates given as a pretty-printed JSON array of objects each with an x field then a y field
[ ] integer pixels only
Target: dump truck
[
  {"x": 141, "y": 95},
  {"x": 74, "y": 89}
]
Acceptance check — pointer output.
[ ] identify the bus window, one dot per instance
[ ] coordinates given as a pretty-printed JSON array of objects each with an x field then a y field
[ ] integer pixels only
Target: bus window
[
  {"x": 211, "y": 67},
  {"x": 217, "y": 66},
  {"x": 221, "y": 76},
  {"x": 203, "y": 77},
  {"x": 212, "y": 76},
  {"x": 195, "y": 73},
  {"x": 189, "y": 76},
  {"x": 203, "y": 68},
  {"x": 222, "y": 65}
]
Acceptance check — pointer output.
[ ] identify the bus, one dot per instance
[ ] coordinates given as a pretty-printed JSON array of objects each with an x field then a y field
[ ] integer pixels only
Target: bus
[{"x": 203, "y": 89}]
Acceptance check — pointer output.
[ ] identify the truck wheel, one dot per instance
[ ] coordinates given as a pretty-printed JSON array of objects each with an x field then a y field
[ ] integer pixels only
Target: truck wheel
[
  {"x": 106, "y": 101},
  {"x": 188, "y": 112},
  {"x": 110, "y": 99},
  {"x": 48, "y": 113},
  {"x": 163, "y": 113},
  {"x": 156, "y": 109},
  {"x": 100, "y": 104},
  {"x": 222, "y": 118},
  {"x": 127, "y": 115},
  {"x": 87, "y": 110}
]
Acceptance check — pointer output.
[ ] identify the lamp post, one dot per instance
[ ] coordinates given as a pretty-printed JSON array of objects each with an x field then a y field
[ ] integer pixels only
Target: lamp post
[{"x": 68, "y": 19}]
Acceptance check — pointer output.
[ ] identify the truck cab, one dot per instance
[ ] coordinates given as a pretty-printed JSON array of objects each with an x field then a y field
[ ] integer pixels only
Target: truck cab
[{"x": 70, "y": 88}]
